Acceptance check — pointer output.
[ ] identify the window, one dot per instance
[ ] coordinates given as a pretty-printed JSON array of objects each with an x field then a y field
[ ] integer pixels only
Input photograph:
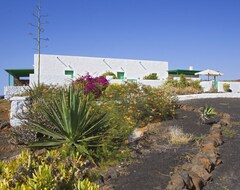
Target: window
[
  {"x": 120, "y": 75},
  {"x": 69, "y": 73}
]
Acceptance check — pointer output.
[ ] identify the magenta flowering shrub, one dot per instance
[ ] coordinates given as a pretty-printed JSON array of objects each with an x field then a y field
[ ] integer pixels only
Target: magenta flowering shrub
[{"x": 92, "y": 85}]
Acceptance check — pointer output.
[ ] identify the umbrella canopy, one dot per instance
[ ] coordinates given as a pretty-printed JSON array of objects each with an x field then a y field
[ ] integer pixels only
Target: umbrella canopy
[{"x": 209, "y": 72}]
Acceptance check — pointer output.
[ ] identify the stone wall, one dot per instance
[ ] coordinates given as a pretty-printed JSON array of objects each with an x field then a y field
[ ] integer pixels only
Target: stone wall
[
  {"x": 17, "y": 108},
  {"x": 10, "y": 91}
]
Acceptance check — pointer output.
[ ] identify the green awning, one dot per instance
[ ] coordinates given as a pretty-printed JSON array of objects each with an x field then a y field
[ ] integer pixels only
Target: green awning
[
  {"x": 20, "y": 72},
  {"x": 181, "y": 71}
]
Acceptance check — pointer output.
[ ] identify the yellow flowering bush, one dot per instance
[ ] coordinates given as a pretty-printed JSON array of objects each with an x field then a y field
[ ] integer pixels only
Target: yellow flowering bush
[
  {"x": 139, "y": 104},
  {"x": 50, "y": 170}
]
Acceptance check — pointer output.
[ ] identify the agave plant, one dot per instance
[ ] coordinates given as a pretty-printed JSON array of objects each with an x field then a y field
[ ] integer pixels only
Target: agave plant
[
  {"x": 207, "y": 112},
  {"x": 74, "y": 121}
]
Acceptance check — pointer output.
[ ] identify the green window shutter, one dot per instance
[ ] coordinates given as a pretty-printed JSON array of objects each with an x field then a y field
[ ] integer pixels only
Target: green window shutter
[
  {"x": 120, "y": 75},
  {"x": 69, "y": 73}
]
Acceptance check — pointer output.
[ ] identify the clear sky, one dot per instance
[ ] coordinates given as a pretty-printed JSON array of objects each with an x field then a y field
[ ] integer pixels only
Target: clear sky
[{"x": 201, "y": 33}]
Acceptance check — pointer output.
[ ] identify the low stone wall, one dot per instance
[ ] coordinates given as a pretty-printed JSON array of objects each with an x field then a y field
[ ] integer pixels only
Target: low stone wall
[
  {"x": 208, "y": 95},
  {"x": 198, "y": 172},
  {"x": 10, "y": 91},
  {"x": 17, "y": 108}
]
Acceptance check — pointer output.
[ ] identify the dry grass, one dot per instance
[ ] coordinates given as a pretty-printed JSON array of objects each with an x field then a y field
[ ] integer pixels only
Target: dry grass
[{"x": 176, "y": 136}]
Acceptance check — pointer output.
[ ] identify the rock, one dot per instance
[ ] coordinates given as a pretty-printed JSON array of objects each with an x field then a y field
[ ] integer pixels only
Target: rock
[
  {"x": 137, "y": 134},
  {"x": 196, "y": 180},
  {"x": 203, "y": 160},
  {"x": 225, "y": 122},
  {"x": 209, "y": 140},
  {"x": 187, "y": 166},
  {"x": 187, "y": 180},
  {"x": 206, "y": 148},
  {"x": 201, "y": 172},
  {"x": 112, "y": 173},
  {"x": 216, "y": 126},
  {"x": 212, "y": 157},
  {"x": 218, "y": 138},
  {"x": 176, "y": 183}
]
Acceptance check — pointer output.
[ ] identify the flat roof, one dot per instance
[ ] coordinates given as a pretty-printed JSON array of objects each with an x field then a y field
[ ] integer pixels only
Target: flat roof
[
  {"x": 20, "y": 72},
  {"x": 182, "y": 71}
]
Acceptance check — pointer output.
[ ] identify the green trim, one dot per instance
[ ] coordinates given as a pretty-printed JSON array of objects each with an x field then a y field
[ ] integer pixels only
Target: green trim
[
  {"x": 9, "y": 79},
  {"x": 19, "y": 72},
  {"x": 69, "y": 72},
  {"x": 181, "y": 71}
]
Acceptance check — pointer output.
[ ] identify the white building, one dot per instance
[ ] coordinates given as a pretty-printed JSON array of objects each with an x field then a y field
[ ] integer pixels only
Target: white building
[{"x": 60, "y": 69}]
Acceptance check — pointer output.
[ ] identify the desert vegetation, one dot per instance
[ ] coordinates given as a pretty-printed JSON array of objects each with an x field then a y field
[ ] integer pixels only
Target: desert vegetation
[
  {"x": 89, "y": 121},
  {"x": 183, "y": 86}
]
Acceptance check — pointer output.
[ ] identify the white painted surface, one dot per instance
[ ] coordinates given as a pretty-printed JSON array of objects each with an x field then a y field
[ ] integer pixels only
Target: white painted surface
[
  {"x": 234, "y": 86},
  {"x": 17, "y": 108},
  {"x": 207, "y": 85},
  {"x": 53, "y": 67},
  {"x": 10, "y": 91},
  {"x": 208, "y": 95}
]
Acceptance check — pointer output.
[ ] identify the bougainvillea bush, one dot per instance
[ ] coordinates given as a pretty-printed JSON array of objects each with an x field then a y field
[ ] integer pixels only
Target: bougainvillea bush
[{"x": 92, "y": 85}]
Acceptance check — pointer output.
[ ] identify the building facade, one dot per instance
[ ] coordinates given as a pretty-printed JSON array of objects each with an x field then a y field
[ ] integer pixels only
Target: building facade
[{"x": 61, "y": 69}]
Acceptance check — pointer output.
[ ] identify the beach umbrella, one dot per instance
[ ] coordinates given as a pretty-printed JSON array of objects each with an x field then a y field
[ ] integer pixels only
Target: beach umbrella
[{"x": 209, "y": 72}]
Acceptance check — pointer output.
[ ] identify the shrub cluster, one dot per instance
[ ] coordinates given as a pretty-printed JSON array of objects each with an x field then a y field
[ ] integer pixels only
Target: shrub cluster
[
  {"x": 53, "y": 169},
  {"x": 109, "y": 73},
  {"x": 97, "y": 127},
  {"x": 152, "y": 76},
  {"x": 139, "y": 104},
  {"x": 183, "y": 86}
]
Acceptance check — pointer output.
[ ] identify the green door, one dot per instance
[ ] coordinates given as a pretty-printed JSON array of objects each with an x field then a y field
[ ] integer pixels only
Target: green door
[{"x": 120, "y": 75}]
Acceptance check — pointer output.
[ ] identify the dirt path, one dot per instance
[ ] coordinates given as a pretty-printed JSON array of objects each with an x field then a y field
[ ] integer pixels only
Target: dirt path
[{"x": 153, "y": 169}]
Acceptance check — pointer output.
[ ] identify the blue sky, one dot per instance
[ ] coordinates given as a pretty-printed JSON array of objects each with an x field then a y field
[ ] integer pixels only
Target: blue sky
[{"x": 201, "y": 33}]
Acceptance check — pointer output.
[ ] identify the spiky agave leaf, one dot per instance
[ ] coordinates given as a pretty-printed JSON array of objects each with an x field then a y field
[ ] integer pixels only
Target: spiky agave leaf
[
  {"x": 207, "y": 112},
  {"x": 75, "y": 121}
]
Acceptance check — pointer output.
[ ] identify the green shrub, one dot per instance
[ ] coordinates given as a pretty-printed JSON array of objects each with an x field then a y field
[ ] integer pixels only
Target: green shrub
[
  {"x": 182, "y": 81},
  {"x": 140, "y": 104},
  {"x": 109, "y": 73},
  {"x": 182, "y": 86},
  {"x": 226, "y": 87},
  {"x": 54, "y": 169},
  {"x": 152, "y": 76}
]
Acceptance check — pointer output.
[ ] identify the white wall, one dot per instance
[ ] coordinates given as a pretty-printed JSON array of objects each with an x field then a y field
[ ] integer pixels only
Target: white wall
[
  {"x": 52, "y": 69},
  {"x": 10, "y": 91},
  {"x": 234, "y": 86},
  {"x": 207, "y": 85},
  {"x": 153, "y": 83}
]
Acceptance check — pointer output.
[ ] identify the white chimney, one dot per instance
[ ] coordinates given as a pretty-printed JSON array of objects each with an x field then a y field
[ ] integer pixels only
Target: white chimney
[{"x": 190, "y": 68}]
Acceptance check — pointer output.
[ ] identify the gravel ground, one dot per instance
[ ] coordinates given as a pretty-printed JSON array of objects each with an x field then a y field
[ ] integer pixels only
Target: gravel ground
[
  {"x": 227, "y": 175},
  {"x": 152, "y": 170}
]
